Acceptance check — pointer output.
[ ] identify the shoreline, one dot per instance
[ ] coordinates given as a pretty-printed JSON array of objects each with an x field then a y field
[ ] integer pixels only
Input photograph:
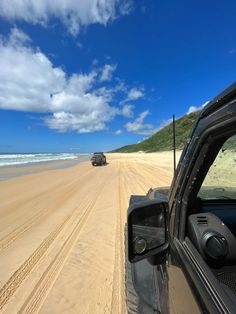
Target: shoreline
[{"x": 13, "y": 171}]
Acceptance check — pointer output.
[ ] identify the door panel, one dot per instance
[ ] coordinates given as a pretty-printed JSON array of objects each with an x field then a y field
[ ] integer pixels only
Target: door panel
[{"x": 181, "y": 299}]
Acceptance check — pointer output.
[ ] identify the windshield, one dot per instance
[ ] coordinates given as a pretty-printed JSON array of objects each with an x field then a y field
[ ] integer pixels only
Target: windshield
[{"x": 220, "y": 181}]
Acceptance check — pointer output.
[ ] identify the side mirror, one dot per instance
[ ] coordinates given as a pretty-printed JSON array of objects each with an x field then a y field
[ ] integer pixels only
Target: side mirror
[{"x": 147, "y": 231}]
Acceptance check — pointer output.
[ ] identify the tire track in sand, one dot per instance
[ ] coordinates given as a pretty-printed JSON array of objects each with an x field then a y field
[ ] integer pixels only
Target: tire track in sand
[
  {"x": 126, "y": 174},
  {"x": 20, "y": 230},
  {"x": 118, "y": 291},
  {"x": 131, "y": 176},
  {"x": 38, "y": 295},
  {"x": 20, "y": 274}
]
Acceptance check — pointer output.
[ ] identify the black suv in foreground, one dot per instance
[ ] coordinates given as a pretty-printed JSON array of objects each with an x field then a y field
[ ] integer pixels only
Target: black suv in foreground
[
  {"x": 98, "y": 159},
  {"x": 181, "y": 243}
]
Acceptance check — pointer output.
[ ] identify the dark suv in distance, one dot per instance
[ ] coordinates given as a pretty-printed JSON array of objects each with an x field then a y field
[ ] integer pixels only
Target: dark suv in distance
[
  {"x": 181, "y": 245},
  {"x": 98, "y": 159}
]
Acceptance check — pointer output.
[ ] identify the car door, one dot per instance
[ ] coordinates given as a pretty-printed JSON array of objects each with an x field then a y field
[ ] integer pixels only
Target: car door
[{"x": 187, "y": 284}]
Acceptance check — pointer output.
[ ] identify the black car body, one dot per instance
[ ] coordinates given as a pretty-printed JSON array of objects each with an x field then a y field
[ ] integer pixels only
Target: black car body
[
  {"x": 181, "y": 243},
  {"x": 98, "y": 159}
]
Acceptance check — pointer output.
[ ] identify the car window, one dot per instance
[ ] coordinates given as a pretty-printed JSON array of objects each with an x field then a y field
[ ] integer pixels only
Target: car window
[{"x": 220, "y": 181}]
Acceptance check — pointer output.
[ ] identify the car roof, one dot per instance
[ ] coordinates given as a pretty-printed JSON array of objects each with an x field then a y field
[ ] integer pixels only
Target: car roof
[
  {"x": 220, "y": 100},
  {"x": 227, "y": 95}
]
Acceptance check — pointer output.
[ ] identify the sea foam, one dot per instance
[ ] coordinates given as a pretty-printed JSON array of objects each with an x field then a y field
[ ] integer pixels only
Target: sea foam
[{"x": 20, "y": 159}]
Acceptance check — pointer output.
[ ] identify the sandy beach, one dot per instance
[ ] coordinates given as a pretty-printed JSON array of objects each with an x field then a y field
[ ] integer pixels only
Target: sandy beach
[{"x": 62, "y": 234}]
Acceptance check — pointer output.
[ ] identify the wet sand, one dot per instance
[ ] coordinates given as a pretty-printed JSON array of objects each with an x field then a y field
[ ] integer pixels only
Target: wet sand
[
  {"x": 9, "y": 172},
  {"x": 62, "y": 234}
]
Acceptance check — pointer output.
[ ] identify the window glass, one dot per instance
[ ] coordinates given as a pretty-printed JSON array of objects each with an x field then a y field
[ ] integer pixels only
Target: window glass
[{"x": 220, "y": 181}]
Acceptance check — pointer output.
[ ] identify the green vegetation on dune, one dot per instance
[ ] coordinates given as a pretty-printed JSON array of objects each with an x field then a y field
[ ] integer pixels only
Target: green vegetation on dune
[
  {"x": 230, "y": 143},
  {"x": 163, "y": 139}
]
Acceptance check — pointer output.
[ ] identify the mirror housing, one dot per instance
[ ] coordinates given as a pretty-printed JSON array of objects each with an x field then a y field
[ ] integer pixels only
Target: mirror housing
[{"x": 148, "y": 231}]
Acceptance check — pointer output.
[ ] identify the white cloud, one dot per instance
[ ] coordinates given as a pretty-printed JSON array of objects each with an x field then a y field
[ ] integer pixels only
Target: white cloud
[
  {"x": 81, "y": 123},
  {"x": 135, "y": 94},
  {"x": 139, "y": 127},
  {"x": 196, "y": 108},
  {"x": 18, "y": 37},
  {"x": 127, "y": 111},
  {"x": 192, "y": 109},
  {"x": 95, "y": 62},
  {"x": 27, "y": 77},
  {"x": 79, "y": 45},
  {"x": 232, "y": 51},
  {"x": 107, "y": 72},
  {"x": 120, "y": 87},
  {"x": 118, "y": 132},
  {"x": 143, "y": 9},
  {"x": 29, "y": 82},
  {"x": 126, "y": 7},
  {"x": 165, "y": 123},
  {"x": 74, "y": 14}
]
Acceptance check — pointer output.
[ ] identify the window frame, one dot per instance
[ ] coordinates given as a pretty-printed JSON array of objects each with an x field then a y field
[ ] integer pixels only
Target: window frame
[{"x": 200, "y": 155}]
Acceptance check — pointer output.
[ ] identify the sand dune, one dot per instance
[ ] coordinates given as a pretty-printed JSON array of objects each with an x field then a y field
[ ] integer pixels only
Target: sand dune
[{"x": 61, "y": 234}]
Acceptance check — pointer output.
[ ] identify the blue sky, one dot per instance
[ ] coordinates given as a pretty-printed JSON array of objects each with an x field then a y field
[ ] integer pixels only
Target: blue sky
[{"x": 96, "y": 75}]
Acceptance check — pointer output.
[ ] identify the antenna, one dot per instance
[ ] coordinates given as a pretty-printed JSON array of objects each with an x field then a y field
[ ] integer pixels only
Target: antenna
[{"x": 174, "y": 144}]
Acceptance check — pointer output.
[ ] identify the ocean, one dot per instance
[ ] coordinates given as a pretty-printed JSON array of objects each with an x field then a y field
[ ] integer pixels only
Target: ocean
[{"x": 23, "y": 159}]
